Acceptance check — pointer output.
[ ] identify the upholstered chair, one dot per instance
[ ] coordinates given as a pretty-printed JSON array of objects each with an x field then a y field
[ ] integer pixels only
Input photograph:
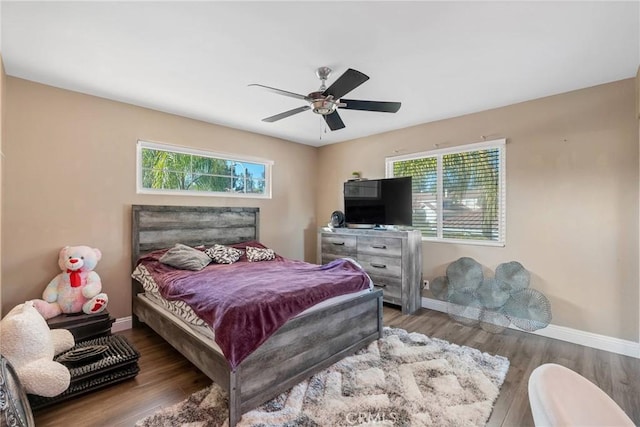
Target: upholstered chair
[{"x": 561, "y": 397}]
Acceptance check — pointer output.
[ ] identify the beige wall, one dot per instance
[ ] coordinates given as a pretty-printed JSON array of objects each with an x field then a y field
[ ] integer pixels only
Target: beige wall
[
  {"x": 638, "y": 117},
  {"x": 70, "y": 179},
  {"x": 3, "y": 79},
  {"x": 572, "y": 198}
]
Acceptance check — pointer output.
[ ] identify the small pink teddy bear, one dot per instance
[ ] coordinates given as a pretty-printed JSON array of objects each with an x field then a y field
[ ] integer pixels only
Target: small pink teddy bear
[{"x": 78, "y": 288}]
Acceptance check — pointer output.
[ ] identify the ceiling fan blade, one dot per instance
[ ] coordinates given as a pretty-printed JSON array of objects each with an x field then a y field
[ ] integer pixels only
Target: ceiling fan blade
[
  {"x": 382, "y": 106},
  {"x": 334, "y": 121},
  {"x": 282, "y": 92},
  {"x": 347, "y": 82},
  {"x": 286, "y": 114}
]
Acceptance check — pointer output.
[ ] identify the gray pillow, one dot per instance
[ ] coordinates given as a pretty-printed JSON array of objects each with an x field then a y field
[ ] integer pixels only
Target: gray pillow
[{"x": 185, "y": 258}]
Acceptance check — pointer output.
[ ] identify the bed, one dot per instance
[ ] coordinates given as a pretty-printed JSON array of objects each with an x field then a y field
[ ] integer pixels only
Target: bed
[{"x": 305, "y": 344}]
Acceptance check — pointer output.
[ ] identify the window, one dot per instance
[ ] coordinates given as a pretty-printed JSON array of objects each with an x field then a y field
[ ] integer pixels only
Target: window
[
  {"x": 167, "y": 169},
  {"x": 458, "y": 193}
]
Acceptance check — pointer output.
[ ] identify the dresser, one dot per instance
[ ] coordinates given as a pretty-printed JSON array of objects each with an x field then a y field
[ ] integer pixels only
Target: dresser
[{"x": 393, "y": 260}]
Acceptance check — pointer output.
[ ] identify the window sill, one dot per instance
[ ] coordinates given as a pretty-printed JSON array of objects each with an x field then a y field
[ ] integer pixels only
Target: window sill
[{"x": 465, "y": 242}]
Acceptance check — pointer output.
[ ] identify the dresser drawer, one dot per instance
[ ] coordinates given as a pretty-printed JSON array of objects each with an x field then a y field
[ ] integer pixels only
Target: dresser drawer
[
  {"x": 382, "y": 246},
  {"x": 326, "y": 258},
  {"x": 338, "y": 245},
  {"x": 391, "y": 288},
  {"x": 381, "y": 266}
]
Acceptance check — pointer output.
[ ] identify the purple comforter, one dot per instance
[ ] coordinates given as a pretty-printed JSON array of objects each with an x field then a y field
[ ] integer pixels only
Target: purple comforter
[{"x": 246, "y": 302}]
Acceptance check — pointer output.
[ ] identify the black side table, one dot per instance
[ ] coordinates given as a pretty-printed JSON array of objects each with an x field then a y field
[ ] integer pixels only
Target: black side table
[
  {"x": 84, "y": 326},
  {"x": 94, "y": 364}
]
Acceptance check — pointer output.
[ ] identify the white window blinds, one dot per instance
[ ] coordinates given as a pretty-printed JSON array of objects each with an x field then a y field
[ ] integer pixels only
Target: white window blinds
[{"x": 458, "y": 194}]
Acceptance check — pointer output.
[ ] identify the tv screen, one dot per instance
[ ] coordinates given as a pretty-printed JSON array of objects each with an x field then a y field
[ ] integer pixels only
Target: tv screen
[{"x": 368, "y": 203}]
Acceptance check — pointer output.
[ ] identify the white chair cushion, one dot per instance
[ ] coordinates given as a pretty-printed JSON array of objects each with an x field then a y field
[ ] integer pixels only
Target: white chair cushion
[{"x": 562, "y": 397}]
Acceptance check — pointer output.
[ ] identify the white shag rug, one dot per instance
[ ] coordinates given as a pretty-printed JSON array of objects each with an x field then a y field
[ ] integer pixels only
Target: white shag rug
[{"x": 403, "y": 379}]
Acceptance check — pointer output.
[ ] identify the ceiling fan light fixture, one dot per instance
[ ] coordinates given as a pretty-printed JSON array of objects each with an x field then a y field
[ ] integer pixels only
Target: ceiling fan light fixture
[
  {"x": 323, "y": 107},
  {"x": 321, "y": 104}
]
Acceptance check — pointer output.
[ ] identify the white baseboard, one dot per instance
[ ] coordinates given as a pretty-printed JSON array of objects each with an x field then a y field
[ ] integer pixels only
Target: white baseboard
[
  {"x": 122, "y": 324},
  {"x": 589, "y": 339}
]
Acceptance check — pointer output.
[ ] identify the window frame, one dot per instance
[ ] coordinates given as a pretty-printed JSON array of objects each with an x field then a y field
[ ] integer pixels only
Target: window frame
[
  {"x": 141, "y": 144},
  {"x": 499, "y": 144}
]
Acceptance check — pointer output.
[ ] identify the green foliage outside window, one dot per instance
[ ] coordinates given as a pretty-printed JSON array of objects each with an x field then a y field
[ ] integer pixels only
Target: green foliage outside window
[
  {"x": 171, "y": 170},
  {"x": 425, "y": 184}
]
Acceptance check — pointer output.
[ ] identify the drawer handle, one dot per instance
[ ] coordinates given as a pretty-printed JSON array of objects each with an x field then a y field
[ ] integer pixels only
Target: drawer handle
[
  {"x": 379, "y": 286},
  {"x": 379, "y": 246},
  {"x": 338, "y": 243},
  {"x": 373, "y": 264}
]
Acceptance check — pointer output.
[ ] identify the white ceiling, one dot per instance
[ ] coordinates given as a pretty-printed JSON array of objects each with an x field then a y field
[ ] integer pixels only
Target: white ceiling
[{"x": 440, "y": 59}]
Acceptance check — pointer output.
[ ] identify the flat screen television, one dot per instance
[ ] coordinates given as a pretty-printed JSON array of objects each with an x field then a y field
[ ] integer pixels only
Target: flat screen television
[{"x": 378, "y": 202}]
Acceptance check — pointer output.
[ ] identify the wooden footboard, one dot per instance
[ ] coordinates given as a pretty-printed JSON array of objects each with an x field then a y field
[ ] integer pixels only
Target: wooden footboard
[
  {"x": 308, "y": 344},
  {"x": 303, "y": 346}
]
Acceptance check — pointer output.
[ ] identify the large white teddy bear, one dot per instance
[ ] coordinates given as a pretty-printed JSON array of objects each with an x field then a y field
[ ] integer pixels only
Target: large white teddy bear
[
  {"x": 78, "y": 288},
  {"x": 29, "y": 345}
]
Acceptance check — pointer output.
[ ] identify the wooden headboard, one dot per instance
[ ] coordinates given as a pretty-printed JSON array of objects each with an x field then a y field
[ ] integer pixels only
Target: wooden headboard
[{"x": 158, "y": 227}]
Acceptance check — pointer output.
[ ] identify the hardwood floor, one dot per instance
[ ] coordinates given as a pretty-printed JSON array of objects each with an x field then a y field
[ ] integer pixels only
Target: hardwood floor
[
  {"x": 166, "y": 377},
  {"x": 617, "y": 375}
]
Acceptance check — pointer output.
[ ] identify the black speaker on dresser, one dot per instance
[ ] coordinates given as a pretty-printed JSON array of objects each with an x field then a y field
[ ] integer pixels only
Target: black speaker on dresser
[{"x": 337, "y": 219}]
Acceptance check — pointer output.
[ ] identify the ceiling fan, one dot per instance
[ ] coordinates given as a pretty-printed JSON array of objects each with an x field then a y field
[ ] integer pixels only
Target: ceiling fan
[{"x": 326, "y": 100}]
